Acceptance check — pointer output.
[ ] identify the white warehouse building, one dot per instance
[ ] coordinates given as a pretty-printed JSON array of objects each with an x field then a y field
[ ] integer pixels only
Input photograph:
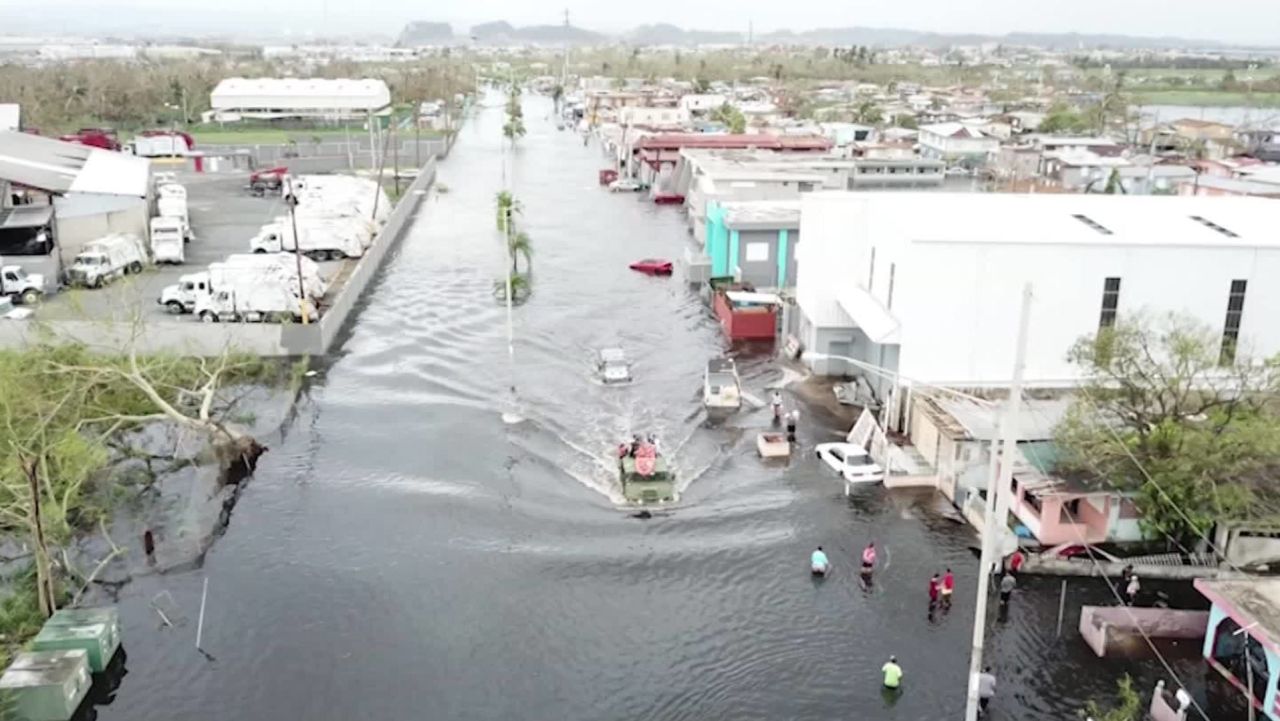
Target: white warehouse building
[
  {"x": 315, "y": 98},
  {"x": 929, "y": 285}
]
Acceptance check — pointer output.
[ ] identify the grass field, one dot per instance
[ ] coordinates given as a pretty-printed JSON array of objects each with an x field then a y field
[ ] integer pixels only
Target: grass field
[{"x": 1208, "y": 98}]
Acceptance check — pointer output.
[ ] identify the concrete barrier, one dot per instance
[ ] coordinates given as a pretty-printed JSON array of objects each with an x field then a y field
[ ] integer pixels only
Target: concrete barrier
[{"x": 1097, "y": 623}]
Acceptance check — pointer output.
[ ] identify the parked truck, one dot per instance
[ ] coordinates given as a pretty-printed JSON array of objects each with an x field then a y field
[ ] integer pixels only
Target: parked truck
[
  {"x": 252, "y": 296},
  {"x": 181, "y": 297},
  {"x": 162, "y": 144},
  {"x": 318, "y": 242},
  {"x": 103, "y": 260},
  {"x": 20, "y": 286},
  {"x": 171, "y": 202},
  {"x": 168, "y": 244}
]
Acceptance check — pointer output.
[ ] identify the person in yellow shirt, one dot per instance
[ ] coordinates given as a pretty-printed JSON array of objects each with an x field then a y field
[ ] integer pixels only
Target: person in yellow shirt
[{"x": 892, "y": 673}]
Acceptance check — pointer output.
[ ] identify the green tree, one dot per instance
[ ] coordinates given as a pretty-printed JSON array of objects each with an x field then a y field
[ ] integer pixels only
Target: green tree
[
  {"x": 1127, "y": 705},
  {"x": 906, "y": 121},
  {"x": 730, "y": 117},
  {"x": 868, "y": 113},
  {"x": 1063, "y": 120},
  {"x": 1173, "y": 412},
  {"x": 519, "y": 246},
  {"x": 507, "y": 208}
]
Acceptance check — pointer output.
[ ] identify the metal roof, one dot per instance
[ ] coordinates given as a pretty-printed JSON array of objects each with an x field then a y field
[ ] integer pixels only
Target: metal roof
[
  {"x": 59, "y": 167},
  {"x": 300, "y": 93},
  {"x": 26, "y": 216},
  {"x": 675, "y": 141},
  {"x": 765, "y": 214}
]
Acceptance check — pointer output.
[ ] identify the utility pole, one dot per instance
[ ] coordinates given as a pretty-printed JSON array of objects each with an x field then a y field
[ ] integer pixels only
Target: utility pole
[
  {"x": 994, "y": 524},
  {"x": 291, "y": 200}
]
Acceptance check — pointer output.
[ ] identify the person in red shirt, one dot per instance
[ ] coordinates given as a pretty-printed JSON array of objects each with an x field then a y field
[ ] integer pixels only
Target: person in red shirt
[
  {"x": 934, "y": 588},
  {"x": 948, "y": 587},
  {"x": 1015, "y": 561}
]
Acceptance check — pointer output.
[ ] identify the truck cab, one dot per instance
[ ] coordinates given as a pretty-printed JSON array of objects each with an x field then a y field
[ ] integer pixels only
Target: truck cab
[
  {"x": 181, "y": 297},
  {"x": 25, "y": 288}
]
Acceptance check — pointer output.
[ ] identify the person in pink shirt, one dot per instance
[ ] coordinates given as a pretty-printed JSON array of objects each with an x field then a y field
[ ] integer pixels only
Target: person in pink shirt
[
  {"x": 948, "y": 587},
  {"x": 935, "y": 587},
  {"x": 869, "y": 558}
]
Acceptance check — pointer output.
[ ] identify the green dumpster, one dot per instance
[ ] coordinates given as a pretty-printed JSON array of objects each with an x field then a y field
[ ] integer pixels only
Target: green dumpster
[
  {"x": 108, "y": 616},
  {"x": 96, "y": 639},
  {"x": 46, "y": 685}
]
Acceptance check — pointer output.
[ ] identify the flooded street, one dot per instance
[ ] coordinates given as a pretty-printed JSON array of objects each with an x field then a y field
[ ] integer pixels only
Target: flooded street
[{"x": 403, "y": 554}]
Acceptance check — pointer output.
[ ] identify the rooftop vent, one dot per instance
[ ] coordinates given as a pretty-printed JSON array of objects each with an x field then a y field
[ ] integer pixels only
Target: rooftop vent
[
  {"x": 1210, "y": 224},
  {"x": 1092, "y": 223}
]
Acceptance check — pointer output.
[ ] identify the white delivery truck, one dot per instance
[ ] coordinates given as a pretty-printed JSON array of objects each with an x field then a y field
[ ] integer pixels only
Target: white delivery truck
[
  {"x": 162, "y": 144},
  {"x": 286, "y": 265},
  {"x": 347, "y": 227},
  {"x": 167, "y": 241},
  {"x": 171, "y": 202},
  {"x": 318, "y": 241},
  {"x": 20, "y": 286},
  {"x": 252, "y": 296},
  {"x": 181, "y": 297},
  {"x": 332, "y": 190},
  {"x": 106, "y": 259}
]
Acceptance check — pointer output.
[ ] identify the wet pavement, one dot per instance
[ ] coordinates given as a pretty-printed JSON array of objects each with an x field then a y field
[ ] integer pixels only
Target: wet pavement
[{"x": 403, "y": 553}]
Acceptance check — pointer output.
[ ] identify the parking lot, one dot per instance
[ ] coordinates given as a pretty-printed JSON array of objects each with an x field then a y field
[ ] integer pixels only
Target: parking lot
[{"x": 224, "y": 216}]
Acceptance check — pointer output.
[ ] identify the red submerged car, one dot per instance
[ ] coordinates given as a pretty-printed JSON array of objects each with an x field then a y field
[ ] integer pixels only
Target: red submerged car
[{"x": 652, "y": 266}]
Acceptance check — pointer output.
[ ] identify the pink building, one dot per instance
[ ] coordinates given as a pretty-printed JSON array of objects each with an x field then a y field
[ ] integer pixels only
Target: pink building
[{"x": 1060, "y": 511}]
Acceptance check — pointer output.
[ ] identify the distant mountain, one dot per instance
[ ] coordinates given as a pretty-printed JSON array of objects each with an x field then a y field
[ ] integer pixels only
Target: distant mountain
[
  {"x": 502, "y": 31},
  {"x": 667, "y": 34},
  {"x": 424, "y": 33}
]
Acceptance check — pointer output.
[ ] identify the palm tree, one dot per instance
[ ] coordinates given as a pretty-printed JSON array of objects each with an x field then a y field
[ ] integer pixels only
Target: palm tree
[
  {"x": 519, "y": 245},
  {"x": 513, "y": 129},
  {"x": 508, "y": 207},
  {"x": 521, "y": 288}
]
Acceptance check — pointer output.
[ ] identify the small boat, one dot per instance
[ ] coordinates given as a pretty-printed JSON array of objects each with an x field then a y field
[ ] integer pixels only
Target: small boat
[
  {"x": 773, "y": 445},
  {"x": 644, "y": 474},
  {"x": 612, "y": 366},
  {"x": 652, "y": 266},
  {"x": 721, "y": 388}
]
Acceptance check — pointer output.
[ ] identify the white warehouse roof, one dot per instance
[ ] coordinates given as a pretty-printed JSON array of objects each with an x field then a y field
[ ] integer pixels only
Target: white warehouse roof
[
  {"x": 238, "y": 94},
  {"x": 1067, "y": 218}
]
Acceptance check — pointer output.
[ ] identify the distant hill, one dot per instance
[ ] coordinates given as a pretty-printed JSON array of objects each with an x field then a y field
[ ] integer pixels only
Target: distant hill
[
  {"x": 667, "y": 34},
  {"x": 502, "y": 32},
  {"x": 424, "y": 33}
]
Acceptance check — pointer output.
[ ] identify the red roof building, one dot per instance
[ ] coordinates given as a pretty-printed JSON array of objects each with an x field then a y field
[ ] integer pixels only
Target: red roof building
[{"x": 656, "y": 150}]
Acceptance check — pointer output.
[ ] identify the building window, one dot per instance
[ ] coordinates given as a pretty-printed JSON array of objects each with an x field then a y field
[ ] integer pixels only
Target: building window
[
  {"x": 871, "y": 271},
  {"x": 893, "y": 268},
  {"x": 1110, "y": 301},
  {"x": 1231, "y": 328},
  {"x": 757, "y": 252}
]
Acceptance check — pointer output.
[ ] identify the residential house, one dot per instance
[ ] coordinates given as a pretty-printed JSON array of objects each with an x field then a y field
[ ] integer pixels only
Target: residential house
[
  {"x": 651, "y": 117},
  {"x": 1057, "y": 510},
  {"x": 703, "y": 103},
  {"x": 1217, "y": 139},
  {"x": 1242, "y": 640},
  {"x": 957, "y": 144},
  {"x": 1104, "y": 147},
  {"x": 928, "y": 285},
  {"x": 1079, "y": 169}
]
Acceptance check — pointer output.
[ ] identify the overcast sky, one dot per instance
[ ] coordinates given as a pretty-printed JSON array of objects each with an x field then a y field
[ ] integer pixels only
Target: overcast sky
[{"x": 1237, "y": 21}]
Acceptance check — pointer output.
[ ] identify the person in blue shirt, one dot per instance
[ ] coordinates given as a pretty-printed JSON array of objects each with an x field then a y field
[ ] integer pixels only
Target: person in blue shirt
[{"x": 818, "y": 563}]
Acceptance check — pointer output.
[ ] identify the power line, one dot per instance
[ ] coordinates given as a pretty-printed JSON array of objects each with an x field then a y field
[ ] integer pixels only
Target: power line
[{"x": 1107, "y": 580}]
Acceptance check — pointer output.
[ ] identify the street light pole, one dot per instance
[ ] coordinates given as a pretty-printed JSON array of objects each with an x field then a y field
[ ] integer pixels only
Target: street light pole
[
  {"x": 997, "y": 503},
  {"x": 292, "y": 201}
]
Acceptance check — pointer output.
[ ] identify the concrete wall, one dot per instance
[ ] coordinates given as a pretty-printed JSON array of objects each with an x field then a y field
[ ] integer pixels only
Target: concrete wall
[
  {"x": 1098, "y": 623},
  {"x": 764, "y": 271}
]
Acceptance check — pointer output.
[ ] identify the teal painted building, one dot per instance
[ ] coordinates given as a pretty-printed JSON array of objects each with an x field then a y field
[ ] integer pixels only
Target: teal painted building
[
  {"x": 754, "y": 241},
  {"x": 1242, "y": 641}
]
